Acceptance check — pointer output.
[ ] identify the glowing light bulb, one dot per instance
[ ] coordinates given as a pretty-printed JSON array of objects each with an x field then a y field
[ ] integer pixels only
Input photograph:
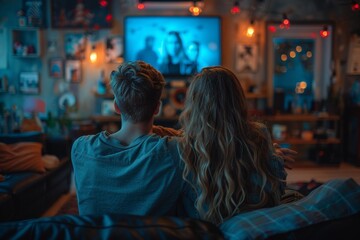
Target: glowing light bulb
[{"x": 250, "y": 31}]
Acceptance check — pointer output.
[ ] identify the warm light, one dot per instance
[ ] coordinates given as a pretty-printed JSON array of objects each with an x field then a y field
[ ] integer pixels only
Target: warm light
[
  {"x": 298, "y": 49},
  {"x": 235, "y": 8},
  {"x": 93, "y": 57},
  {"x": 140, "y": 6},
  {"x": 250, "y": 31},
  {"x": 355, "y": 6},
  {"x": 93, "y": 54},
  {"x": 309, "y": 54},
  {"x": 302, "y": 85},
  {"x": 324, "y": 33},
  {"x": 283, "y": 57},
  {"x": 292, "y": 54},
  {"x": 195, "y": 10}
]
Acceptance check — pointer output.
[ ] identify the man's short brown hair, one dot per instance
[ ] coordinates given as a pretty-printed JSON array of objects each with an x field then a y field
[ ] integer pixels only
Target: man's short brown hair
[{"x": 137, "y": 89}]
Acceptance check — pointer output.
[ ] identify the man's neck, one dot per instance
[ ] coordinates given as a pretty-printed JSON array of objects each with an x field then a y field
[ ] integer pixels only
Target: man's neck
[{"x": 130, "y": 131}]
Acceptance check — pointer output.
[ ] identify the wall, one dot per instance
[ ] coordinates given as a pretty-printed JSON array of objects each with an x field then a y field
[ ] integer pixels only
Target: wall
[{"x": 233, "y": 32}]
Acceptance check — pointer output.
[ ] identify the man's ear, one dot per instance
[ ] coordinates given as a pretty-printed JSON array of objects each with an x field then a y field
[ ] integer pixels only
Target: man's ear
[
  {"x": 157, "y": 111},
  {"x": 116, "y": 107}
]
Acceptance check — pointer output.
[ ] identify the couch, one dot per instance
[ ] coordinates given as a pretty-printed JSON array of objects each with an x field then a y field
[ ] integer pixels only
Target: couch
[
  {"x": 332, "y": 211},
  {"x": 28, "y": 194}
]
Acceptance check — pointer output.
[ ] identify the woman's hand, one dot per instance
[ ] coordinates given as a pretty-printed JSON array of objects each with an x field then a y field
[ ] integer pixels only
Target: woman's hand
[{"x": 286, "y": 153}]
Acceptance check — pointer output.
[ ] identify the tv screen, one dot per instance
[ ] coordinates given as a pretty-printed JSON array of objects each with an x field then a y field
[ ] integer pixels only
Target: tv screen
[{"x": 175, "y": 45}]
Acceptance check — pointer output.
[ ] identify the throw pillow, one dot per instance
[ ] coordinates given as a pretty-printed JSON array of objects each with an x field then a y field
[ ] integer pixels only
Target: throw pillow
[
  {"x": 50, "y": 161},
  {"x": 23, "y": 156}
]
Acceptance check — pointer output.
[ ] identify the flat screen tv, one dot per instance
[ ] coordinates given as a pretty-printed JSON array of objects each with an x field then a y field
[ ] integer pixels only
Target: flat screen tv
[{"x": 175, "y": 45}]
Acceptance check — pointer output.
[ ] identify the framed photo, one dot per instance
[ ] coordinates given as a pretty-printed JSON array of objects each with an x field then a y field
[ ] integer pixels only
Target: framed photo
[
  {"x": 246, "y": 57},
  {"x": 35, "y": 13},
  {"x": 107, "y": 107},
  {"x": 114, "y": 49},
  {"x": 353, "y": 67},
  {"x": 75, "y": 46},
  {"x": 81, "y": 14},
  {"x": 56, "y": 68},
  {"x": 29, "y": 83},
  {"x": 73, "y": 71}
]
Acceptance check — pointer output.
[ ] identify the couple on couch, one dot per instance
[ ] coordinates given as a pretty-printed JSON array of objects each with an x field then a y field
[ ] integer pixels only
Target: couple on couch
[{"x": 219, "y": 165}]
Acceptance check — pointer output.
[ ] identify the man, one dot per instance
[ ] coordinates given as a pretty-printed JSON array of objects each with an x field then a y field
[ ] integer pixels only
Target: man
[{"x": 131, "y": 171}]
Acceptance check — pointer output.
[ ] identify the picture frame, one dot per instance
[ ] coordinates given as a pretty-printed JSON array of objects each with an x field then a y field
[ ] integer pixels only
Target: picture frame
[
  {"x": 107, "y": 108},
  {"x": 56, "y": 68},
  {"x": 75, "y": 46},
  {"x": 353, "y": 67},
  {"x": 246, "y": 57},
  {"x": 3, "y": 84},
  {"x": 29, "y": 83},
  {"x": 114, "y": 49},
  {"x": 34, "y": 11},
  {"x": 88, "y": 14},
  {"x": 73, "y": 71}
]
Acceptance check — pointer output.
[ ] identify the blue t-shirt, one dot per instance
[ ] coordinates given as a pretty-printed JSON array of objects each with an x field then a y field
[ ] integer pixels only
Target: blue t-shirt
[{"x": 143, "y": 178}]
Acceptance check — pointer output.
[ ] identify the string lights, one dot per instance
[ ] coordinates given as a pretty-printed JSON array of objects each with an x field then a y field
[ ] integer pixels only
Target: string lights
[
  {"x": 250, "y": 30},
  {"x": 194, "y": 9},
  {"x": 355, "y": 6},
  {"x": 324, "y": 33},
  {"x": 140, "y": 5},
  {"x": 93, "y": 54},
  {"x": 235, "y": 9},
  {"x": 285, "y": 22}
]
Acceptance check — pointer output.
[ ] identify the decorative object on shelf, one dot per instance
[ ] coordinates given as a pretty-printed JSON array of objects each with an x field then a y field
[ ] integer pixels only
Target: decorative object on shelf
[
  {"x": 73, "y": 71},
  {"x": 177, "y": 97},
  {"x": 34, "y": 11},
  {"x": 114, "y": 49},
  {"x": 56, "y": 68},
  {"x": 29, "y": 83},
  {"x": 52, "y": 46},
  {"x": 75, "y": 46},
  {"x": 246, "y": 57},
  {"x": 101, "y": 84},
  {"x": 279, "y": 131},
  {"x": 25, "y": 42},
  {"x": 90, "y": 14}
]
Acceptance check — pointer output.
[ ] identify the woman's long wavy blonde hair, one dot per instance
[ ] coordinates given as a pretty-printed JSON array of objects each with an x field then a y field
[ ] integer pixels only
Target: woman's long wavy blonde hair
[{"x": 221, "y": 148}]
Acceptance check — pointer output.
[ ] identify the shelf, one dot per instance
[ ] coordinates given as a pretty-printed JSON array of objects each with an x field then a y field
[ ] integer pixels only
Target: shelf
[
  {"x": 301, "y": 117},
  {"x": 25, "y": 42},
  {"x": 255, "y": 95},
  {"x": 299, "y": 141},
  {"x": 106, "y": 95}
]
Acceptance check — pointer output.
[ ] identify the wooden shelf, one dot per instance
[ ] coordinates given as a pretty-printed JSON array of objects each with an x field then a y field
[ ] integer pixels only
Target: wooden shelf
[
  {"x": 255, "y": 95},
  {"x": 299, "y": 141},
  {"x": 301, "y": 117}
]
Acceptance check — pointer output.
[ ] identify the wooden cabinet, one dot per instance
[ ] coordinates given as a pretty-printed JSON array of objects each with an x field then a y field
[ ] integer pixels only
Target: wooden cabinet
[
  {"x": 315, "y": 137},
  {"x": 25, "y": 42}
]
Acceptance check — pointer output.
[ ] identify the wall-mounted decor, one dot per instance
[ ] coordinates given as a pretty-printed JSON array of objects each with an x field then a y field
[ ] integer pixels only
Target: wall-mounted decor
[
  {"x": 114, "y": 49},
  {"x": 246, "y": 57},
  {"x": 354, "y": 56},
  {"x": 75, "y": 46},
  {"x": 29, "y": 83},
  {"x": 87, "y": 14},
  {"x": 34, "y": 13},
  {"x": 73, "y": 71},
  {"x": 56, "y": 68}
]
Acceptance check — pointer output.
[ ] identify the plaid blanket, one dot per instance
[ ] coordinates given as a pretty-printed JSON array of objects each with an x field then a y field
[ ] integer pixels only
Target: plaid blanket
[{"x": 332, "y": 200}]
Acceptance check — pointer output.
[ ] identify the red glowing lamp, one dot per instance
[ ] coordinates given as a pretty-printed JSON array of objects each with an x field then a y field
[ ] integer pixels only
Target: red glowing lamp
[
  {"x": 355, "y": 6},
  {"x": 140, "y": 6},
  {"x": 324, "y": 33},
  {"x": 103, "y": 3}
]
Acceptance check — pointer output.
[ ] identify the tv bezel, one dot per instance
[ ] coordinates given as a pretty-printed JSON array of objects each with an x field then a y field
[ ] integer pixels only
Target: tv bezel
[{"x": 173, "y": 76}]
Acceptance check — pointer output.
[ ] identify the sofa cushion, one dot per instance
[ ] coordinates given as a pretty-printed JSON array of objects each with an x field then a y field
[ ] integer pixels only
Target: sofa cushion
[
  {"x": 333, "y": 200},
  {"x": 109, "y": 227},
  {"x": 23, "y": 156}
]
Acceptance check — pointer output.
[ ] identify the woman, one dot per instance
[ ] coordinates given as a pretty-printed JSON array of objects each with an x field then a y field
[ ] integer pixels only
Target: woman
[
  {"x": 174, "y": 59},
  {"x": 228, "y": 158}
]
